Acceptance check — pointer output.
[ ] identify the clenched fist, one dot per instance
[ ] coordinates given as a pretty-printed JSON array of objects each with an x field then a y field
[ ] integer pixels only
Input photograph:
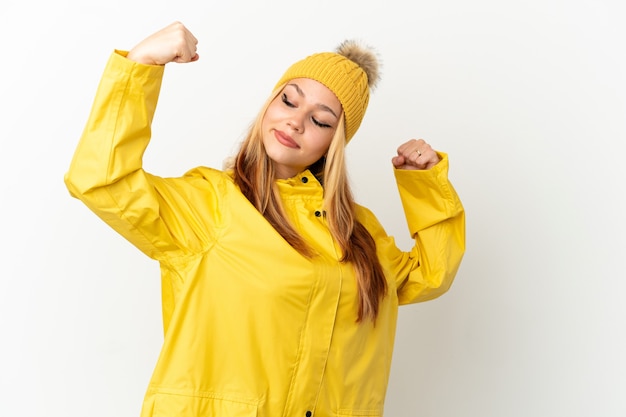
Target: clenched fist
[
  {"x": 173, "y": 43},
  {"x": 415, "y": 154}
]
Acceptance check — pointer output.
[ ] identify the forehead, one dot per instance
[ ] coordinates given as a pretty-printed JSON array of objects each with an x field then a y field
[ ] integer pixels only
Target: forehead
[{"x": 315, "y": 91}]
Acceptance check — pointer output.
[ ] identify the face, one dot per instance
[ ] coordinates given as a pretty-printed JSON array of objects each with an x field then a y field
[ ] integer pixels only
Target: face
[{"x": 299, "y": 125}]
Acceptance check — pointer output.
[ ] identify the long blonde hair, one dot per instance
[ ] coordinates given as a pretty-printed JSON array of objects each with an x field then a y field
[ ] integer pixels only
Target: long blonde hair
[{"x": 254, "y": 174}]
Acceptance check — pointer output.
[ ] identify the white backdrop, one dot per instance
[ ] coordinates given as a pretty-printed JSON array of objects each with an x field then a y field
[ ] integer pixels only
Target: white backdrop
[{"x": 527, "y": 97}]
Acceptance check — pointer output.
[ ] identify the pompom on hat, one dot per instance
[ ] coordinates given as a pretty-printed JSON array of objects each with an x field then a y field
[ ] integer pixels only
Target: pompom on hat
[{"x": 349, "y": 72}]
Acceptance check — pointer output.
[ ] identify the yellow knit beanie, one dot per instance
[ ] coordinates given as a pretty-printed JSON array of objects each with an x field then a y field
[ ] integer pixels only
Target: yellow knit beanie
[{"x": 350, "y": 73}]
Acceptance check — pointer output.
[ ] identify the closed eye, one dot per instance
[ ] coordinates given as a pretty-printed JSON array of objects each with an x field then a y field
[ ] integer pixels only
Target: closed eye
[
  {"x": 286, "y": 101},
  {"x": 320, "y": 124}
]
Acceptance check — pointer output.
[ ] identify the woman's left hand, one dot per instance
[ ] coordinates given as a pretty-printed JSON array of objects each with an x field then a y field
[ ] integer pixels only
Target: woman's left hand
[{"x": 415, "y": 154}]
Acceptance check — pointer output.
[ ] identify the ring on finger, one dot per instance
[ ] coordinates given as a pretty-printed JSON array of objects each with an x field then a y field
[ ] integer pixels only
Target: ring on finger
[{"x": 419, "y": 153}]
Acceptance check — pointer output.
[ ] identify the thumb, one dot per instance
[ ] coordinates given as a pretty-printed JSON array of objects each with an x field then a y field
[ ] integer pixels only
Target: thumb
[
  {"x": 186, "y": 57},
  {"x": 397, "y": 161}
]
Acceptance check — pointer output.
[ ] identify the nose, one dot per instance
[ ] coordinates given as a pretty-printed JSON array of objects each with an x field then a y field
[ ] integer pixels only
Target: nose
[{"x": 296, "y": 122}]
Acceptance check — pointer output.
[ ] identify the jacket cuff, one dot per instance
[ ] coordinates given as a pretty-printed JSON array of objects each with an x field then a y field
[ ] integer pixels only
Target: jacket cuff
[{"x": 427, "y": 195}]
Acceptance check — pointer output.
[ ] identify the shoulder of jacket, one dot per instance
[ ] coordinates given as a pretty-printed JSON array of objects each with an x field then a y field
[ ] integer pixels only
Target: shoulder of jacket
[
  {"x": 366, "y": 216},
  {"x": 209, "y": 174}
]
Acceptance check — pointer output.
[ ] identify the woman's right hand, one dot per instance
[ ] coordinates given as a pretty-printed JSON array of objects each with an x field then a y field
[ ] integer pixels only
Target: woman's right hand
[{"x": 173, "y": 43}]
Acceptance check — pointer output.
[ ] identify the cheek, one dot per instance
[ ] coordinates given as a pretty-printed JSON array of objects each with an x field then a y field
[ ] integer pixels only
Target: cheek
[
  {"x": 272, "y": 112},
  {"x": 267, "y": 116},
  {"x": 323, "y": 143}
]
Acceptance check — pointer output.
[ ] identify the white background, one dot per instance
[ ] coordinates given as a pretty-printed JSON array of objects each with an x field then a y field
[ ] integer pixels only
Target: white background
[{"x": 527, "y": 97}]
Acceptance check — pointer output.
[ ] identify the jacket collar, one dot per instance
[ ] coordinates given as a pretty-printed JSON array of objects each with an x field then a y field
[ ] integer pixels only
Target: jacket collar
[{"x": 302, "y": 184}]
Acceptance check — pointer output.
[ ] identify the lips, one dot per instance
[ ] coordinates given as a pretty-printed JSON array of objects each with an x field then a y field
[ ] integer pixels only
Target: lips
[{"x": 285, "y": 139}]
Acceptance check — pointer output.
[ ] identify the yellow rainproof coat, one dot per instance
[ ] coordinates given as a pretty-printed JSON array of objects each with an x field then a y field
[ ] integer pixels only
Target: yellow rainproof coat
[{"x": 251, "y": 327}]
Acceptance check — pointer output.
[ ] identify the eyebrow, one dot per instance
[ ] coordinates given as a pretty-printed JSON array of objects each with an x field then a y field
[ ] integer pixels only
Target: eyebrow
[{"x": 320, "y": 105}]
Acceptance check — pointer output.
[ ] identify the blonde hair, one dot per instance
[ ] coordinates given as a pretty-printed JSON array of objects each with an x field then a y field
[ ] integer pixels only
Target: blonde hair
[{"x": 254, "y": 174}]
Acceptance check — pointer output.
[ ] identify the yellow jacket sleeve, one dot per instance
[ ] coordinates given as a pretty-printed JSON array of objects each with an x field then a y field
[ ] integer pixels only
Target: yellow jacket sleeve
[
  {"x": 106, "y": 171},
  {"x": 436, "y": 221}
]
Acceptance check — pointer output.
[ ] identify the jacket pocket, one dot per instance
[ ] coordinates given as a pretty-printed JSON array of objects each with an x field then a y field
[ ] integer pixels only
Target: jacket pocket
[{"x": 176, "y": 405}]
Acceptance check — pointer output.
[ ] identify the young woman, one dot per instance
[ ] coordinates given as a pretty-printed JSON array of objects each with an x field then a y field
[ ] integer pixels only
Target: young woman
[{"x": 280, "y": 293}]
